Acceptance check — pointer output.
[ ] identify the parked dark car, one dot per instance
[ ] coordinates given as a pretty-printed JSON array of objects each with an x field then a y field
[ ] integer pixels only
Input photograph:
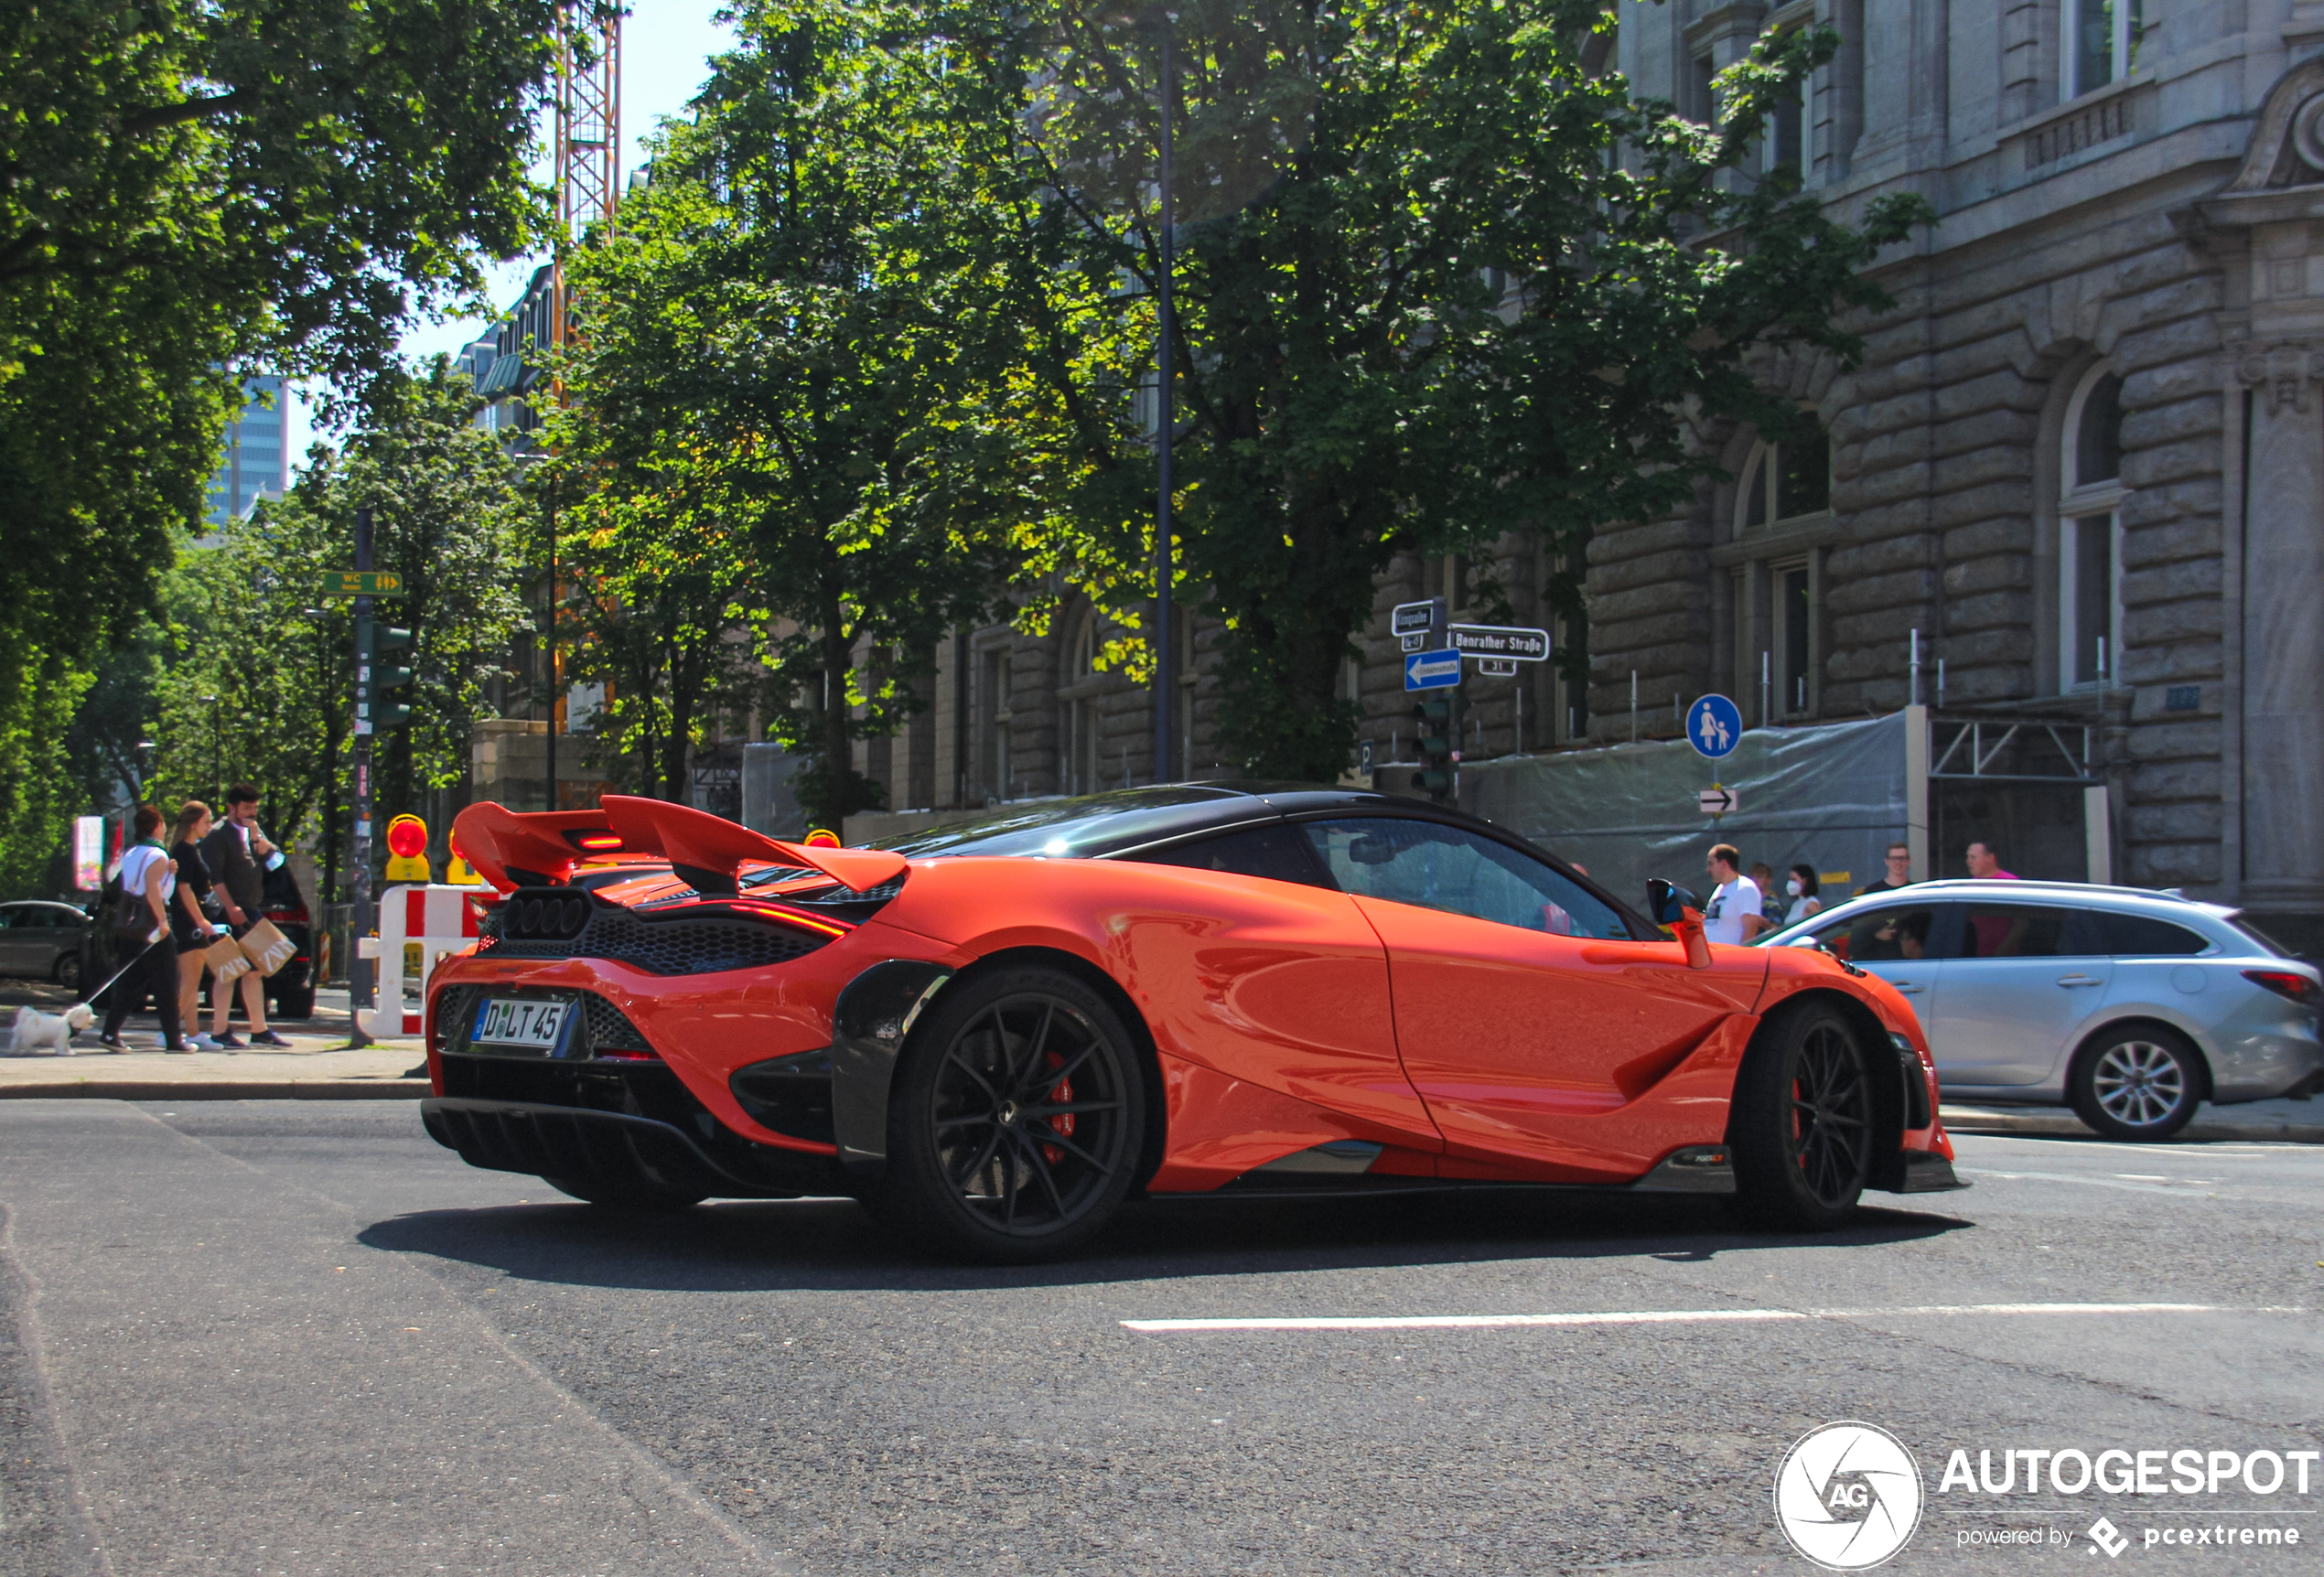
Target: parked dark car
[
  {"x": 43, "y": 940},
  {"x": 290, "y": 991}
]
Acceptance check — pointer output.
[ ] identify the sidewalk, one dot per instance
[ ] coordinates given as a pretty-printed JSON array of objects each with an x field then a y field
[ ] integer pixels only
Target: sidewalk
[
  {"x": 319, "y": 1065},
  {"x": 2280, "y": 1122}
]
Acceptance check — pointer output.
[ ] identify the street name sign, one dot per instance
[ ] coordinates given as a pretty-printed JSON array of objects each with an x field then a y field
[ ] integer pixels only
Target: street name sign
[
  {"x": 1432, "y": 669},
  {"x": 1718, "y": 800},
  {"x": 1412, "y": 622},
  {"x": 361, "y": 582},
  {"x": 1713, "y": 726},
  {"x": 1503, "y": 641}
]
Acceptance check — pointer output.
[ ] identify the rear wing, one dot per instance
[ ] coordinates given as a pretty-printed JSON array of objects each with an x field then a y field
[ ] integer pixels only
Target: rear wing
[{"x": 512, "y": 849}]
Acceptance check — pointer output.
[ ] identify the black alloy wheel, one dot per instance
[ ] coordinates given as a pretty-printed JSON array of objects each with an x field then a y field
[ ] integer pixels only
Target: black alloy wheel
[
  {"x": 68, "y": 971},
  {"x": 1804, "y": 1124},
  {"x": 1015, "y": 1117}
]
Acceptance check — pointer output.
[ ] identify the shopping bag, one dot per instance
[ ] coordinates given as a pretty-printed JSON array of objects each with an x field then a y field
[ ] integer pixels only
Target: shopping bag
[
  {"x": 225, "y": 960},
  {"x": 267, "y": 948}
]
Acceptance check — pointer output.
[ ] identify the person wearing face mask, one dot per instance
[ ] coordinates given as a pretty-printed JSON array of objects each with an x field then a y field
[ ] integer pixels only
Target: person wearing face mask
[{"x": 1800, "y": 885}]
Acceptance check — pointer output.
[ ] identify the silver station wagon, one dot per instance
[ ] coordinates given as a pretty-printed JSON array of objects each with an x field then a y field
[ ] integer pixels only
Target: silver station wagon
[{"x": 2133, "y": 1007}]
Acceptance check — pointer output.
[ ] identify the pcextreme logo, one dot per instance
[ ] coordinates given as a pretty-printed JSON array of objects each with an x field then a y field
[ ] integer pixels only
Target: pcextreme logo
[{"x": 1848, "y": 1496}]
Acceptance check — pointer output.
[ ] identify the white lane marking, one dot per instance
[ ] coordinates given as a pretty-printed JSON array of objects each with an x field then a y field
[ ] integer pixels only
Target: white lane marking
[
  {"x": 1667, "y": 1317},
  {"x": 2179, "y": 1190}
]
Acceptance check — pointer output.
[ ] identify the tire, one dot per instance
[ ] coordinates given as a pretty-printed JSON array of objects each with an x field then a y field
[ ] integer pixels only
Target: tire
[
  {"x": 1015, "y": 1119},
  {"x": 68, "y": 971},
  {"x": 1804, "y": 1124},
  {"x": 297, "y": 1003},
  {"x": 635, "y": 1195},
  {"x": 2139, "y": 1083}
]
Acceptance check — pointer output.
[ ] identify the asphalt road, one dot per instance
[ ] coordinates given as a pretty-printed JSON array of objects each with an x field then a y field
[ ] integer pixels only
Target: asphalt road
[{"x": 298, "y": 1337}]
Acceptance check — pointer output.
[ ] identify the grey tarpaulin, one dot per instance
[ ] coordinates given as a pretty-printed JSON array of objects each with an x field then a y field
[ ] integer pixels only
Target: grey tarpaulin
[{"x": 1830, "y": 797}]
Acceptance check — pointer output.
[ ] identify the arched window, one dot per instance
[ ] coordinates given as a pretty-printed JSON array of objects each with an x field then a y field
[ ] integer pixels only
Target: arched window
[
  {"x": 1784, "y": 482},
  {"x": 2089, "y": 534},
  {"x": 1081, "y": 692}
]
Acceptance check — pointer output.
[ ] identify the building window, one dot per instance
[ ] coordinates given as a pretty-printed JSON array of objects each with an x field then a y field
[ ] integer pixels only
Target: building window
[
  {"x": 1791, "y": 648},
  {"x": 993, "y": 703},
  {"x": 2090, "y": 535},
  {"x": 2101, "y": 43},
  {"x": 1080, "y": 692},
  {"x": 1784, "y": 482},
  {"x": 1784, "y": 504}
]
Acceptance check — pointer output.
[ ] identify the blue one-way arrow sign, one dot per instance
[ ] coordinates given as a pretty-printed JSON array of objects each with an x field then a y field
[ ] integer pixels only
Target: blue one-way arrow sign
[{"x": 1432, "y": 669}]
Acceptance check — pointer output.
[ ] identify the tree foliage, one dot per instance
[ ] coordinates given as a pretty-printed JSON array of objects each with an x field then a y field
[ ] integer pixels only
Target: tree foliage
[
  {"x": 790, "y": 345},
  {"x": 188, "y": 189},
  {"x": 258, "y": 670},
  {"x": 1439, "y": 278}
]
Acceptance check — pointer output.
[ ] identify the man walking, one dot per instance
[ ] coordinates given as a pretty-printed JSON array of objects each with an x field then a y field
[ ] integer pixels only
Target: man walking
[
  {"x": 1733, "y": 914},
  {"x": 1900, "y": 864},
  {"x": 237, "y": 855},
  {"x": 1985, "y": 866}
]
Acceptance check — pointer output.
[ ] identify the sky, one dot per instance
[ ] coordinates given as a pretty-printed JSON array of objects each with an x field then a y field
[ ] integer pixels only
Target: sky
[{"x": 665, "y": 47}]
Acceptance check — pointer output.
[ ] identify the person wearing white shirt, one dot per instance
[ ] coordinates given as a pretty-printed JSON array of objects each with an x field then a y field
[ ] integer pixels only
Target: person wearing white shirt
[{"x": 1733, "y": 916}]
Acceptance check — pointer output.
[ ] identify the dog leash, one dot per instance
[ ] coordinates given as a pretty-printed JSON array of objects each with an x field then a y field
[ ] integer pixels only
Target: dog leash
[{"x": 91, "y": 997}]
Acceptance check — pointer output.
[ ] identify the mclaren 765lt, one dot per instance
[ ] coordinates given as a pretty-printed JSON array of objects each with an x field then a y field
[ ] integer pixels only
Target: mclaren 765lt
[{"x": 996, "y": 1032}]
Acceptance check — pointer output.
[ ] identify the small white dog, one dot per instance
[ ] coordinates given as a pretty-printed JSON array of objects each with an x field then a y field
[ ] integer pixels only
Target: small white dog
[{"x": 36, "y": 1031}]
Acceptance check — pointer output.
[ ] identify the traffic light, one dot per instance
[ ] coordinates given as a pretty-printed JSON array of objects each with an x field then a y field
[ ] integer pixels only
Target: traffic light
[
  {"x": 374, "y": 677},
  {"x": 1438, "y": 738}
]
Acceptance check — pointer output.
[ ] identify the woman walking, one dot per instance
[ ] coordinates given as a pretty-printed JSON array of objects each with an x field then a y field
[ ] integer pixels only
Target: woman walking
[
  {"x": 190, "y": 928},
  {"x": 1802, "y": 888},
  {"x": 147, "y": 882}
]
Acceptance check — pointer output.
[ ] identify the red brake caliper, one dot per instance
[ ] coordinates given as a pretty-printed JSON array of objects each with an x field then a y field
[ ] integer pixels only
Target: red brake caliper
[{"x": 1061, "y": 1125}]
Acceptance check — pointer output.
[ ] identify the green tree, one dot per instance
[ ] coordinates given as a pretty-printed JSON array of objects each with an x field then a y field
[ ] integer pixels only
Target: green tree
[
  {"x": 1437, "y": 278},
  {"x": 186, "y": 188},
  {"x": 791, "y": 333},
  {"x": 656, "y": 595},
  {"x": 258, "y": 683}
]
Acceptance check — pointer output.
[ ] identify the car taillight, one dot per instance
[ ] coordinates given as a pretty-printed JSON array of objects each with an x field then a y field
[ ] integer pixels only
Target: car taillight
[{"x": 2299, "y": 988}]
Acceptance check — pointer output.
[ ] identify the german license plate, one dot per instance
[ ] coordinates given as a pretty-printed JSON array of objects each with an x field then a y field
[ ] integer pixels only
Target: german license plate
[{"x": 533, "y": 1025}]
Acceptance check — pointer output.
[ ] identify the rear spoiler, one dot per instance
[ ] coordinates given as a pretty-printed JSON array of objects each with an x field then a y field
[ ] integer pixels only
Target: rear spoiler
[{"x": 540, "y": 848}]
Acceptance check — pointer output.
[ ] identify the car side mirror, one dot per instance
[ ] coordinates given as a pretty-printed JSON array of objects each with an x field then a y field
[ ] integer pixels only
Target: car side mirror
[
  {"x": 1668, "y": 905},
  {"x": 1679, "y": 909}
]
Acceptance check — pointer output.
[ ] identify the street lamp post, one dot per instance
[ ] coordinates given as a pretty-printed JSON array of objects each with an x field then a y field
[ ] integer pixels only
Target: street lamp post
[{"x": 1165, "y": 679}]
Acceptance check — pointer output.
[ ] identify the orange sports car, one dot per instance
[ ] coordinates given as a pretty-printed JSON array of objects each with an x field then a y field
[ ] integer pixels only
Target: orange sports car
[{"x": 996, "y": 1032}]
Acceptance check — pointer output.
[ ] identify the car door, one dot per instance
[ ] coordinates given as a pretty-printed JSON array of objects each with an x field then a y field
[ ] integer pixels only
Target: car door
[
  {"x": 2022, "y": 981},
  {"x": 17, "y": 941},
  {"x": 41, "y": 937},
  {"x": 1901, "y": 942},
  {"x": 1525, "y": 1014}
]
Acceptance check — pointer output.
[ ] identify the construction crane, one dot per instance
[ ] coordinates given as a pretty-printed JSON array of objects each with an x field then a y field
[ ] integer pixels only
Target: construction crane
[
  {"x": 588, "y": 138},
  {"x": 588, "y": 172}
]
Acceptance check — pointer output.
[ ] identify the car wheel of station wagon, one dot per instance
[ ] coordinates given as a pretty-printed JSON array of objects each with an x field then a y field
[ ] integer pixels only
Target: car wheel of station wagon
[
  {"x": 1015, "y": 1118},
  {"x": 2140, "y": 1083},
  {"x": 1804, "y": 1125}
]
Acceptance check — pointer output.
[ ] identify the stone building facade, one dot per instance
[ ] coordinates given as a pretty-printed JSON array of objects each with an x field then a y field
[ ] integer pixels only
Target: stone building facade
[{"x": 2081, "y": 463}]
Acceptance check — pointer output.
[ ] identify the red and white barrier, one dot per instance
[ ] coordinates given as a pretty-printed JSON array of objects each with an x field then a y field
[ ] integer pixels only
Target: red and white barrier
[{"x": 441, "y": 920}]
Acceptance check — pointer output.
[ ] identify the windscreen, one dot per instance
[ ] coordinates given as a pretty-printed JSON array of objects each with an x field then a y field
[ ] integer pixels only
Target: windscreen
[{"x": 1090, "y": 825}]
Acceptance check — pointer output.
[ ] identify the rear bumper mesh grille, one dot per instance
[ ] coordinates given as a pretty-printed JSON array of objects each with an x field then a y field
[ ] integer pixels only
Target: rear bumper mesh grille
[{"x": 562, "y": 1120}]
